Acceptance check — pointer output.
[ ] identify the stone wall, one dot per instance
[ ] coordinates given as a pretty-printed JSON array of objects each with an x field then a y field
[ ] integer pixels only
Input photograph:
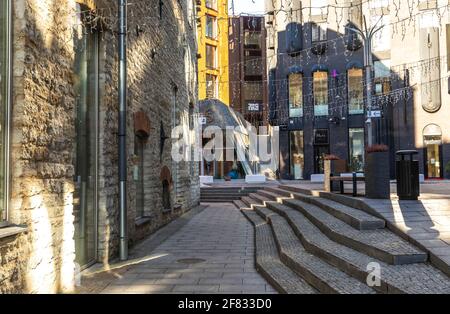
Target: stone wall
[{"x": 43, "y": 135}]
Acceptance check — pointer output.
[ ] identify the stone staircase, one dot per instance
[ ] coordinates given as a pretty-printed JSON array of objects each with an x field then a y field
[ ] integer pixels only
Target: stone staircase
[
  {"x": 309, "y": 244},
  {"x": 225, "y": 194}
]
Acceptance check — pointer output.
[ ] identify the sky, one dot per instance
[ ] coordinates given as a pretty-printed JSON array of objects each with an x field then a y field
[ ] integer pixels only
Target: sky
[{"x": 247, "y": 6}]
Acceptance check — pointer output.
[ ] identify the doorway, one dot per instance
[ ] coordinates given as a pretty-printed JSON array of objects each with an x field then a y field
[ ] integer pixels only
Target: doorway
[
  {"x": 319, "y": 156},
  {"x": 432, "y": 142},
  {"x": 433, "y": 161}
]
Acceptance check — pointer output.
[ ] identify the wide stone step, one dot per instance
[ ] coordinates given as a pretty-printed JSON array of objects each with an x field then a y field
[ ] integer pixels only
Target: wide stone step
[
  {"x": 240, "y": 204},
  {"x": 410, "y": 278},
  {"x": 319, "y": 274},
  {"x": 381, "y": 244},
  {"x": 260, "y": 197},
  {"x": 352, "y": 216},
  {"x": 268, "y": 262},
  {"x": 271, "y": 195},
  {"x": 250, "y": 201}
]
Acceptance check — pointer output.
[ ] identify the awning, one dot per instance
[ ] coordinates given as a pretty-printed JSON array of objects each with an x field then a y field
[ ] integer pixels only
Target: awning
[
  {"x": 354, "y": 65},
  {"x": 218, "y": 114},
  {"x": 295, "y": 69},
  {"x": 319, "y": 67}
]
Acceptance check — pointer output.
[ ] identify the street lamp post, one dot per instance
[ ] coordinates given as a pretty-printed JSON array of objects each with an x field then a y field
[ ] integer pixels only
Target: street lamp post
[{"x": 367, "y": 36}]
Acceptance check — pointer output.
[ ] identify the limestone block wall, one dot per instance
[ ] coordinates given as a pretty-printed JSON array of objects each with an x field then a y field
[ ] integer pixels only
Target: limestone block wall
[{"x": 162, "y": 59}]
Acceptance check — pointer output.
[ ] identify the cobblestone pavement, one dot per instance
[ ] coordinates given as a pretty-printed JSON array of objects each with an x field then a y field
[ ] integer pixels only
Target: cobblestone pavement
[{"x": 212, "y": 253}]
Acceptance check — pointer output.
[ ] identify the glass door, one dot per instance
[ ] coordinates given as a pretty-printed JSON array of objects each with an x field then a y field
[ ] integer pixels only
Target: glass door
[
  {"x": 319, "y": 154},
  {"x": 433, "y": 161},
  {"x": 86, "y": 89}
]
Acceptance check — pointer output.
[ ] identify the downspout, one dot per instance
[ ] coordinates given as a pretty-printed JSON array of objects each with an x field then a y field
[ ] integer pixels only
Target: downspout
[{"x": 123, "y": 128}]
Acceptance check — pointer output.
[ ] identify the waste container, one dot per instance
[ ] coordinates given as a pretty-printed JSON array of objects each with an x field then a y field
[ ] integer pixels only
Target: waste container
[{"x": 407, "y": 173}]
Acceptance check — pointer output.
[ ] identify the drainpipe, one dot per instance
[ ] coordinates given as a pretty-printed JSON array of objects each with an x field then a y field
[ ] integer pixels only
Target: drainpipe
[{"x": 123, "y": 128}]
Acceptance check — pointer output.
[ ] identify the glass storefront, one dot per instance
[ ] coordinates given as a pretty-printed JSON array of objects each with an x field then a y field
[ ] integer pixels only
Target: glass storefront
[
  {"x": 356, "y": 149},
  {"x": 297, "y": 154},
  {"x": 4, "y": 102},
  {"x": 86, "y": 88}
]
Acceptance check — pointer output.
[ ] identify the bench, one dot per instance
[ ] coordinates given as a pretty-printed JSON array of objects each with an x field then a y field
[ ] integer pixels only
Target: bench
[{"x": 342, "y": 179}]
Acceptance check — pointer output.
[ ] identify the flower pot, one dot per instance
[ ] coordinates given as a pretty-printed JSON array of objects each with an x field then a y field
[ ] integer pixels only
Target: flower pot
[{"x": 377, "y": 175}]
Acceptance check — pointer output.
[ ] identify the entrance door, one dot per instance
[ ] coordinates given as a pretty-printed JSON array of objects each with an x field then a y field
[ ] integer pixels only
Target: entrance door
[
  {"x": 319, "y": 153},
  {"x": 86, "y": 89},
  {"x": 433, "y": 161}
]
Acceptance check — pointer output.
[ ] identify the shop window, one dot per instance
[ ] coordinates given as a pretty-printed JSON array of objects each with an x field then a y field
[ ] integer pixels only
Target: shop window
[
  {"x": 356, "y": 149},
  {"x": 297, "y": 154}
]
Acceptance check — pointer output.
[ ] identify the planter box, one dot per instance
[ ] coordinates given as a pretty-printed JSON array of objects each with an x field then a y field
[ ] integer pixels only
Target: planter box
[
  {"x": 377, "y": 176},
  {"x": 206, "y": 179},
  {"x": 255, "y": 179}
]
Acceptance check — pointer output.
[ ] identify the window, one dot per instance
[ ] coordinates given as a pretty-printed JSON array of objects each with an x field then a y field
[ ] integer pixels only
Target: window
[
  {"x": 382, "y": 77},
  {"x": 320, "y": 92},
  {"x": 211, "y": 86},
  {"x": 211, "y": 56},
  {"x": 319, "y": 32},
  {"x": 252, "y": 39},
  {"x": 86, "y": 81},
  {"x": 297, "y": 155},
  {"x": 295, "y": 95},
  {"x": 211, "y": 4},
  {"x": 4, "y": 104},
  {"x": 211, "y": 27},
  {"x": 356, "y": 149},
  {"x": 355, "y": 91}
]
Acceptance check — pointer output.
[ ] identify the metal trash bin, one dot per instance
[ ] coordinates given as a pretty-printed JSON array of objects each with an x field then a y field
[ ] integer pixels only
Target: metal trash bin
[{"x": 407, "y": 173}]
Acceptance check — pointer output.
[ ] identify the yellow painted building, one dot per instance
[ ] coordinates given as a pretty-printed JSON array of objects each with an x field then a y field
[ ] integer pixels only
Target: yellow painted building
[{"x": 212, "y": 39}]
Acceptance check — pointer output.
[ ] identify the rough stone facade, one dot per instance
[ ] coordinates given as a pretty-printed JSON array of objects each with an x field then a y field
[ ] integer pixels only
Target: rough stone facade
[{"x": 161, "y": 83}]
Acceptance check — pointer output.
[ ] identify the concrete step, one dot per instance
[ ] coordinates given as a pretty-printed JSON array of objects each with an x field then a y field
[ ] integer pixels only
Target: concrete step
[
  {"x": 381, "y": 244},
  {"x": 271, "y": 195},
  {"x": 409, "y": 278},
  {"x": 319, "y": 274},
  {"x": 268, "y": 262},
  {"x": 240, "y": 204},
  {"x": 250, "y": 201},
  {"x": 260, "y": 197},
  {"x": 354, "y": 217},
  {"x": 218, "y": 200},
  {"x": 223, "y": 195}
]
